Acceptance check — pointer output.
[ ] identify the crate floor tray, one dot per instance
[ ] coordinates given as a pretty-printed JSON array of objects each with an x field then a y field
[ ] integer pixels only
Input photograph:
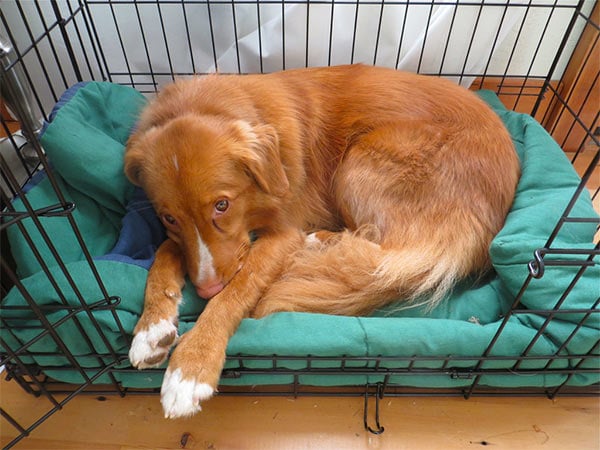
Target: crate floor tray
[{"x": 541, "y": 343}]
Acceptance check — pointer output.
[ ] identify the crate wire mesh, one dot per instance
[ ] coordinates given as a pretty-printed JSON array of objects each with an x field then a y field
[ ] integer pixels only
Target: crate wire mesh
[{"x": 540, "y": 57}]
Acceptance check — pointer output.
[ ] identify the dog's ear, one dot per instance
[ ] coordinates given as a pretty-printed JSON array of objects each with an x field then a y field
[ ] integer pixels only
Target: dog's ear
[
  {"x": 263, "y": 157},
  {"x": 133, "y": 161},
  {"x": 136, "y": 151}
]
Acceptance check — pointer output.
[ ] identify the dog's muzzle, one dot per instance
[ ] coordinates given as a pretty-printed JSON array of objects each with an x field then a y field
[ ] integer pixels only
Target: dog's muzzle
[{"x": 208, "y": 291}]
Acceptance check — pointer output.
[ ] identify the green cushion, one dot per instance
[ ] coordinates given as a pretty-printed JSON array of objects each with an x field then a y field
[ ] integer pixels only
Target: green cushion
[{"x": 85, "y": 143}]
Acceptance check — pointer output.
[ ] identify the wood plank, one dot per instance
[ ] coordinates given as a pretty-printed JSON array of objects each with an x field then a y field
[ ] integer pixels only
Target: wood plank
[
  {"x": 12, "y": 125},
  {"x": 136, "y": 422},
  {"x": 580, "y": 87},
  {"x": 517, "y": 94}
]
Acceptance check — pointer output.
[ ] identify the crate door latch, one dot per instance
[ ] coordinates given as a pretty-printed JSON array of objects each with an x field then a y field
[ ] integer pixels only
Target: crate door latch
[{"x": 378, "y": 396}]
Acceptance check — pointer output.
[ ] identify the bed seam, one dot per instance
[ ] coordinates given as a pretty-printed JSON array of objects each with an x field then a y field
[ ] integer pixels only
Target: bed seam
[{"x": 366, "y": 336}]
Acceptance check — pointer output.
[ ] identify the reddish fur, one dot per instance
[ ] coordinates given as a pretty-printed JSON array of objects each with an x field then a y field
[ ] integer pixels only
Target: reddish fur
[{"x": 420, "y": 172}]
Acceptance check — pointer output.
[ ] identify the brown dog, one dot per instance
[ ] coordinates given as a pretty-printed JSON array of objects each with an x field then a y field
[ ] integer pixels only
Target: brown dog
[{"x": 403, "y": 180}]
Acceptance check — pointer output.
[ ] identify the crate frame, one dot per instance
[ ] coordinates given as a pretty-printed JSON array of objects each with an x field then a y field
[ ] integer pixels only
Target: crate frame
[{"x": 72, "y": 25}]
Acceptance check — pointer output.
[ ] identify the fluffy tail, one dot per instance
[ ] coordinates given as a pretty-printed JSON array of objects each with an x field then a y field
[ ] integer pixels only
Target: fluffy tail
[{"x": 351, "y": 274}]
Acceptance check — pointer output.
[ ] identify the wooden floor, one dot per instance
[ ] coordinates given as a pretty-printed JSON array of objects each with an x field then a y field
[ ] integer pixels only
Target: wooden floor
[{"x": 136, "y": 422}]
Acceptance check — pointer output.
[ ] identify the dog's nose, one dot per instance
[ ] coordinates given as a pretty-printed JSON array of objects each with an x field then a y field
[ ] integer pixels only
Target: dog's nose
[{"x": 207, "y": 291}]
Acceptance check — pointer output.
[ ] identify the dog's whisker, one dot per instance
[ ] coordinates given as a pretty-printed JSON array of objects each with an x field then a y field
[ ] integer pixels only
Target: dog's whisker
[{"x": 242, "y": 250}]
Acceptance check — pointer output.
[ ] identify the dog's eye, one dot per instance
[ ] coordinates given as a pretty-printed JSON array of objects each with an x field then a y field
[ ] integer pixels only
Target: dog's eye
[
  {"x": 169, "y": 219},
  {"x": 222, "y": 205}
]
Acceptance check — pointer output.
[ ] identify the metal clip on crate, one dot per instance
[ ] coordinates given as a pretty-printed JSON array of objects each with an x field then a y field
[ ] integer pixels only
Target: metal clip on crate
[{"x": 379, "y": 389}]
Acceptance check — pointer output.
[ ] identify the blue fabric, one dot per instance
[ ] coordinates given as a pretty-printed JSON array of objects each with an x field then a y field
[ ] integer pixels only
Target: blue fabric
[{"x": 141, "y": 234}]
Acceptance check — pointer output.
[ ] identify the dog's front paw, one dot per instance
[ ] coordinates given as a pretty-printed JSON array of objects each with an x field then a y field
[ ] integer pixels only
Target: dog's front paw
[
  {"x": 181, "y": 396},
  {"x": 150, "y": 346}
]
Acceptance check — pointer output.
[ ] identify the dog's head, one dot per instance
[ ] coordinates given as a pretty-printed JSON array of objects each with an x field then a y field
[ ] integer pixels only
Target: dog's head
[{"x": 211, "y": 182}]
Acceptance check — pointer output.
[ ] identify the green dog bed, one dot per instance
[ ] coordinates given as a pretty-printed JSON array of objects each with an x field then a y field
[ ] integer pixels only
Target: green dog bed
[{"x": 85, "y": 142}]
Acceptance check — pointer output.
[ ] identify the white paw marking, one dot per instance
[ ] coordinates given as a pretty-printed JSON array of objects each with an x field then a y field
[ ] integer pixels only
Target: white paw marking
[
  {"x": 181, "y": 397},
  {"x": 312, "y": 240},
  {"x": 144, "y": 346}
]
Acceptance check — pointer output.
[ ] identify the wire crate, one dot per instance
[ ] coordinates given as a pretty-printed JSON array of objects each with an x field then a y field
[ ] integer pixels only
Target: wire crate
[{"x": 539, "y": 57}]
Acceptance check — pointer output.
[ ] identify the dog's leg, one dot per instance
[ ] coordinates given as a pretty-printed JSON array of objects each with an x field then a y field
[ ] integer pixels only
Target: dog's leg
[
  {"x": 196, "y": 363},
  {"x": 156, "y": 331}
]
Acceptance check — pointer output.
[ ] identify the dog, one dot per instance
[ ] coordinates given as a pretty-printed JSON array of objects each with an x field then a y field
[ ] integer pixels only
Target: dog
[{"x": 332, "y": 190}]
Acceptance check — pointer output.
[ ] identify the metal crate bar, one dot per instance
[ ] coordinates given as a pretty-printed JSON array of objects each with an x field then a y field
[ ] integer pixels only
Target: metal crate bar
[{"x": 71, "y": 32}]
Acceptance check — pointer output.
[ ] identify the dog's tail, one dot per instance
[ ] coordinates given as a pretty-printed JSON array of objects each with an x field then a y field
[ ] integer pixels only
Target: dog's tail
[{"x": 351, "y": 274}]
